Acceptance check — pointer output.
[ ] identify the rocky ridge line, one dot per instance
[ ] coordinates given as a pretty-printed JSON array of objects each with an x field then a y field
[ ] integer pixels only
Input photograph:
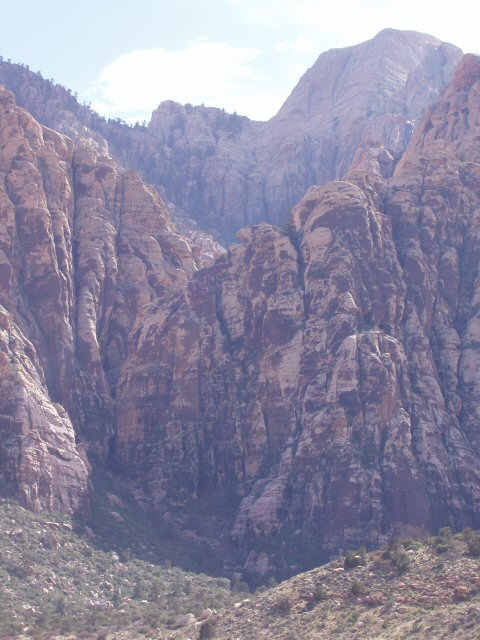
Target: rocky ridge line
[{"x": 226, "y": 171}]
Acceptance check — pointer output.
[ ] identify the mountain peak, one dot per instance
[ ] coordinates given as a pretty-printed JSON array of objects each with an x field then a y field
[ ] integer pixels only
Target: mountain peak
[{"x": 391, "y": 33}]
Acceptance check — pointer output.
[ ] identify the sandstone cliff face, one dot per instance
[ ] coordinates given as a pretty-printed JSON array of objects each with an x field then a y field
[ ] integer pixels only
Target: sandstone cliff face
[
  {"x": 84, "y": 249},
  {"x": 329, "y": 372},
  {"x": 324, "y": 376},
  {"x": 225, "y": 171},
  {"x": 40, "y": 460}
]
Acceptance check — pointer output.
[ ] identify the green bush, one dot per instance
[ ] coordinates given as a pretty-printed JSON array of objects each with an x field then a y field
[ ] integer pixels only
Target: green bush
[
  {"x": 319, "y": 593},
  {"x": 207, "y": 630},
  {"x": 354, "y": 559},
  {"x": 397, "y": 555},
  {"x": 357, "y": 588},
  {"x": 283, "y": 604},
  {"x": 472, "y": 538}
]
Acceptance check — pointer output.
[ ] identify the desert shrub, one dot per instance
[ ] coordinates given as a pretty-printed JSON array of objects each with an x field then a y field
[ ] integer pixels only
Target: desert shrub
[
  {"x": 401, "y": 561},
  {"x": 354, "y": 558},
  {"x": 412, "y": 544},
  {"x": 472, "y": 538},
  {"x": 125, "y": 554},
  {"x": 314, "y": 598},
  {"x": 442, "y": 547},
  {"x": 282, "y": 604},
  {"x": 381, "y": 565},
  {"x": 397, "y": 555},
  {"x": 116, "y": 597},
  {"x": 444, "y": 541},
  {"x": 60, "y": 606},
  {"x": 473, "y": 545},
  {"x": 357, "y": 588},
  {"x": 353, "y": 616},
  {"x": 439, "y": 565},
  {"x": 243, "y": 587},
  {"x": 138, "y": 592},
  {"x": 207, "y": 630},
  {"x": 239, "y": 585},
  {"x": 319, "y": 593}
]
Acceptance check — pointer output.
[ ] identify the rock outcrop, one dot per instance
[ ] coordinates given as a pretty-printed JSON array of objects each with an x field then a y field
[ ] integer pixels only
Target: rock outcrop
[
  {"x": 324, "y": 377},
  {"x": 39, "y": 458},
  {"x": 226, "y": 171},
  {"x": 328, "y": 373},
  {"x": 84, "y": 248}
]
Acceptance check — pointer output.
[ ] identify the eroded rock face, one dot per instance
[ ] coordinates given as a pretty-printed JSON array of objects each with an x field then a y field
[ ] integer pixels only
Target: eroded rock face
[
  {"x": 40, "y": 460},
  {"x": 226, "y": 171},
  {"x": 328, "y": 372},
  {"x": 324, "y": 376},
  {"x": 40, "y": 463},
  {"x": 84, "y": 249}
]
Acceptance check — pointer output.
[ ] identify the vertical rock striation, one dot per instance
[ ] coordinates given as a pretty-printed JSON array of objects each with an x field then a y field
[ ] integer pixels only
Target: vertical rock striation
[
  {"x": 40, "y": 460},
  {"x": 323, "y": 376},
  {"x": 328, "y": 373},
  {"x": 84, "y": 249}
]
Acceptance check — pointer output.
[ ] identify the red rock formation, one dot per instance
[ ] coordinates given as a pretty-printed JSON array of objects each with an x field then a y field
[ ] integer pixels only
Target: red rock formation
[
  {"x": 328, "y": 374},
  {"x": 84, "y": 249},
  {"x": 227, "y": 171},
  {"x": 39, "y": 458}
]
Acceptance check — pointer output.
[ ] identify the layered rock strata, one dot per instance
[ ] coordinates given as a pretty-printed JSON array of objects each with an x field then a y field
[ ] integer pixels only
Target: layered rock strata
[{"x": 324, "y": 375}]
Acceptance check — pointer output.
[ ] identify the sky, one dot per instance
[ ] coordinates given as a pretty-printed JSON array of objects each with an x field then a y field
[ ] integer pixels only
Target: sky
[{"x": 242, "y": 55}]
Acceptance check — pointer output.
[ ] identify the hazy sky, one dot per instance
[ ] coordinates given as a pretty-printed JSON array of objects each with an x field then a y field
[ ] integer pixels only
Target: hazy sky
[{"x": 242, "y": 55}]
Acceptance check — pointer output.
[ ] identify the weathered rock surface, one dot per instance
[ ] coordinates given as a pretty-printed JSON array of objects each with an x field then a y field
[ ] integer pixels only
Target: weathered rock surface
[
  {"x": 328, "y": 372},
  {"x": 39, "y": 458},
  {"x": 40, "y": 462},
  {"x": 323, "y": 376},
  {"x": 226, "y": 171},
  {"x": 84, "y": 249}
]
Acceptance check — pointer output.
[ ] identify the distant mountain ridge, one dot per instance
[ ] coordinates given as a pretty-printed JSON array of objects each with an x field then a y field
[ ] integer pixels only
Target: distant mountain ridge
[{"x": 225, "y": 171}]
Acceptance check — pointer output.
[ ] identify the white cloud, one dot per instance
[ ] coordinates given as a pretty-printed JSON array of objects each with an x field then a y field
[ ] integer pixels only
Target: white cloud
[
  {"x": 214, "y": 73},
  {"x": 302, "y": 45},
  {"x": 337, "y": 24}
]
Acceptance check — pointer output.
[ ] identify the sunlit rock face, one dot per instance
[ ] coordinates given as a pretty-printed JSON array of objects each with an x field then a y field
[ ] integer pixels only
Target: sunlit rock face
[
  {"x": 328, "y": 372},
  {"x": 323, "y": 376},
  {"x": 39, "y": 459},
  {"x": 227, "y": 172},
  {"x": 84, "y": 249}
]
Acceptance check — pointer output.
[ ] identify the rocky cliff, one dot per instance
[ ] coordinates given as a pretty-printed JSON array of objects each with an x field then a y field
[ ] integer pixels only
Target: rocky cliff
[
  {"x": 328, "y": 373},
  {"x": 76, "y": 265},
  {"x": 321, "y": 381},
  {"x": 228, "y": 172},
  {"x": 225, "y": 171}
]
